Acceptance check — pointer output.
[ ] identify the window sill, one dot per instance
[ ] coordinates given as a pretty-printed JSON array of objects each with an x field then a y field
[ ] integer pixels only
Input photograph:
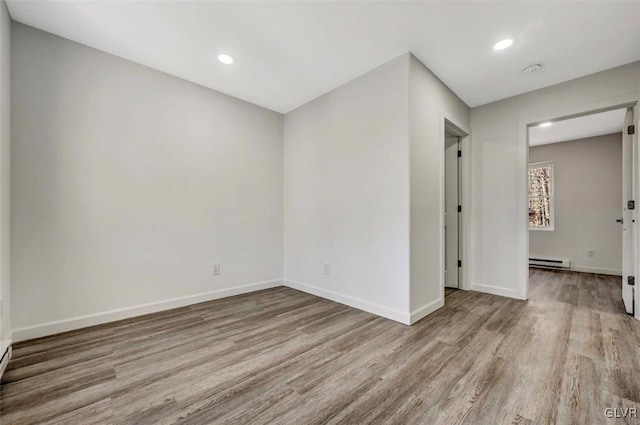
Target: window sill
[{"x": 541, "y": 229}]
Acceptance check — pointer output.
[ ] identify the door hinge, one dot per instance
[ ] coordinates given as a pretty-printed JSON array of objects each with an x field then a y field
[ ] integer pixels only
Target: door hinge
[
  {"x": 631, "y": 205},
  {"x": 459, "y": 154},
  {"x": 459, "y": 208},
  {"x": 631, "y": 280},
  {"x": 459, "y": 263},
  {"x": 631, "y": 129}
]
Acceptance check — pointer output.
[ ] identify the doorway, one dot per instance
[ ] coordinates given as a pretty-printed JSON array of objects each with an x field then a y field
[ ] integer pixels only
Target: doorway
[
  {"x": 452, "y": 210},
  {"x": 582, "y": 184}
]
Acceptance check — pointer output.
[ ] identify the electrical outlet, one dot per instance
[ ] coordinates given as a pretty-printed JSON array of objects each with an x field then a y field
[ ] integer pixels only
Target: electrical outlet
[
  {"x": 216, "y": 269},
  {"x": 1, "y": 307},
  {"x": 326, "y": 268},
  {"x": 591, "y": 253}
]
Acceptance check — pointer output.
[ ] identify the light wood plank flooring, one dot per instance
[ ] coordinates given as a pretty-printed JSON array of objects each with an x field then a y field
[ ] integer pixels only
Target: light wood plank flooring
[{"x": 285, "y": 357}]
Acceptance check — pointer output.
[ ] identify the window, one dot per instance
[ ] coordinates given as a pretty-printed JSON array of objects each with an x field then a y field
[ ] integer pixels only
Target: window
[{"x": 541, "y": 196}]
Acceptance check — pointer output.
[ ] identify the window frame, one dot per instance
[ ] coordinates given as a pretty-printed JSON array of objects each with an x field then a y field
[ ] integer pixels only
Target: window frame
[{"x": 552, "y": 192}]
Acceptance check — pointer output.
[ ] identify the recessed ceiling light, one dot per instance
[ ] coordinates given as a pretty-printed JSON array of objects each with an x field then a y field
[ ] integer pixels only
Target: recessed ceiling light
[
  {"x": 225, "y": 59},
  {"x": 532, "y": 68},
  {"x": 503, "y": 44},
  {"x": 545, "y": 124}
]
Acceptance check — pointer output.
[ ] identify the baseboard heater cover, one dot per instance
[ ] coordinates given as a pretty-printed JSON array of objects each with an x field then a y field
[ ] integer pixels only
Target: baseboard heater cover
[
  {"x": 550, "y": 263},
  {"x": 6, "y": 356}
]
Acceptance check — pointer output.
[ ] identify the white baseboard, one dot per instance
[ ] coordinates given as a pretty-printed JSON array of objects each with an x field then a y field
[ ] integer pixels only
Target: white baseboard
[
  {"x": 496, "y": 290},
  {"x": 367, "y": 306},
  {"x": 597, "y": 270},
  {"x": 50, "y": 328},
  {"x": 425, "y": 310}
]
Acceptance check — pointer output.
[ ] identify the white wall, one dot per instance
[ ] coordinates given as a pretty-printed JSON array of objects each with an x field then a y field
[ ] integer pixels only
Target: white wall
[
  {"x": 430, "y": 103},
  {"x": 364, "y": 191},
  {"x": 346, "y": 193},
  {"x": 587, "y": 202},
  {"x": 499, "y": 161},
  {"x": 5, "y": 173},
  {"x": 127, "y": 184}
]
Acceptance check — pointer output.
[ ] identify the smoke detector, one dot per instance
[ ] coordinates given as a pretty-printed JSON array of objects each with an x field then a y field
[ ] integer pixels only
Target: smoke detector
[{"x": 532, "y": 68}]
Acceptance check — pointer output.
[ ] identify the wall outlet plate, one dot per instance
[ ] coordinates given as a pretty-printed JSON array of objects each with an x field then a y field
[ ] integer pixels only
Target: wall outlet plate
[
  {"x": 326, "y": 268},
  {"x": 215, "y": 270}
]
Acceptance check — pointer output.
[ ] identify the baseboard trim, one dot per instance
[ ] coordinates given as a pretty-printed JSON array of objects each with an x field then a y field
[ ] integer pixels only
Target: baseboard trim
[
  {"x": 425, "y": 310},
  {"x": 360, "y": 304},
  {"x": 50, "y": 328},
  {"x": 596, "y": 270},
  {"x": 496, "y": 290}
]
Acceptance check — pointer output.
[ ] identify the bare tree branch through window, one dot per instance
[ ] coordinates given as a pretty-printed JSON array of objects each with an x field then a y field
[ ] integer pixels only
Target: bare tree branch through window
[{"x": 540, "y": 195}]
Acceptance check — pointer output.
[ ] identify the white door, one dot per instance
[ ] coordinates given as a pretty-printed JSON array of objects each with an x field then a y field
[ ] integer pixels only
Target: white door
[
  {"x": 628, "y": 213},
  {"x": 451, "y": 269}
]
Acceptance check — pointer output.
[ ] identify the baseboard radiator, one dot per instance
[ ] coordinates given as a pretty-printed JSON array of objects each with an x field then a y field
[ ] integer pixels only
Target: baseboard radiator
[
  {"x": 550, "y": 263},
  {"x": 6, "y": 356}
]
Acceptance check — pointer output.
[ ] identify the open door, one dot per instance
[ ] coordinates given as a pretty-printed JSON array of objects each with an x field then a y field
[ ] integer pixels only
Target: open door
[
  {"x": 628, "y": 213},
  {"x": 451, "y": 213}
]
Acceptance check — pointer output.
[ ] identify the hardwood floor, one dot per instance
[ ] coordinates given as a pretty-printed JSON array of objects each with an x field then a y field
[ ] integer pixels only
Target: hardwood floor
[{"x": 282, "y": 356}]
